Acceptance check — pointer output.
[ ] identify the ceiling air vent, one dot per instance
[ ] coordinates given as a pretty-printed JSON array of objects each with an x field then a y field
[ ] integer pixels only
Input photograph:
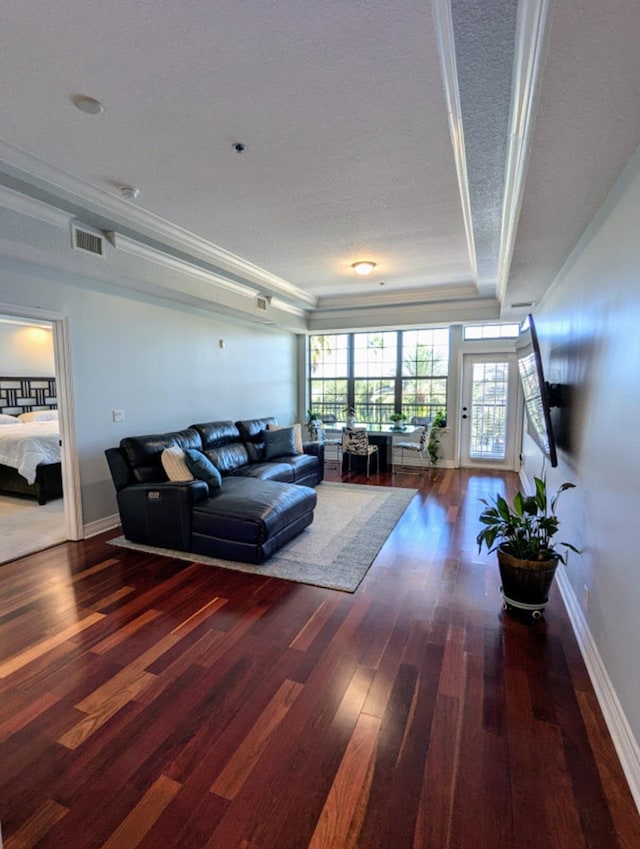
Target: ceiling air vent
[
  {"x": 262, "y": 303},
  {"x": 85, "y": 240}
]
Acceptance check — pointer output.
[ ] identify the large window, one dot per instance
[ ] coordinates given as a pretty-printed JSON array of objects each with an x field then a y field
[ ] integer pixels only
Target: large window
[
  {"x": 375, "y": 362},
  {"x": 329, "y": 371},
  {"x": 379, "y": 373}
]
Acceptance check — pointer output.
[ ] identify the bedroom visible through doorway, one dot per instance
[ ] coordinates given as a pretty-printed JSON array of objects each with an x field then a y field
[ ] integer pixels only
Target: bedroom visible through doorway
[{"x": 29, "y": 439}]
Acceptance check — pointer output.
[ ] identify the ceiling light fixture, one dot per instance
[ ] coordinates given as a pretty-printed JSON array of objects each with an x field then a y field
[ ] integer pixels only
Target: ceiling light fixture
[
  {"x": 87, "y": 104},
  {"x": 363, "y": 266}
]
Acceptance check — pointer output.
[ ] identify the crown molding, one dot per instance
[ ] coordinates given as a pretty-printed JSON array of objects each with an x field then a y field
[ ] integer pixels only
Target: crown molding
[
  {"x": 25, "y": 205},
  {"x": 426, "y": 294},
  {"x": 122, "y": 214},
  {"x": 447, "y": 51},
  {"x": 144, "y": 252},
  {"x": 181, "y": 266},
  {"x": 532, "y": 27},
  {"x": 404, "y": 316}
]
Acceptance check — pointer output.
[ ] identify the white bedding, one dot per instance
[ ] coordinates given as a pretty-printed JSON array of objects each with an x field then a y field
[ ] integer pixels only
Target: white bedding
[{"x": 25, "y": 446}]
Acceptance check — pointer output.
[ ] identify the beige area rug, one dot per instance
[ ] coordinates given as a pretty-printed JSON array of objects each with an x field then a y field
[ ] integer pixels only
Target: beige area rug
[
  {"x": 351, "y": 524},
  {"x": 28, "y": 526}
]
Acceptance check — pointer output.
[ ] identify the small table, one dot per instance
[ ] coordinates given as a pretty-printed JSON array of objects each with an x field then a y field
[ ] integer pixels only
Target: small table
[{"x": 380, "y": 435}]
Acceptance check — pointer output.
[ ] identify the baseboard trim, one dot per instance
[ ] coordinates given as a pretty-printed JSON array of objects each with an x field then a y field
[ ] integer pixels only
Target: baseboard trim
[
  {"x": 91, "y": 529},
  {"x": 625, "y": 743}
]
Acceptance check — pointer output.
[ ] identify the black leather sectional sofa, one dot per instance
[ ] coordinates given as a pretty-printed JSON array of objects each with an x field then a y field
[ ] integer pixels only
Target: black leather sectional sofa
[{"x": 260, "y": 505}]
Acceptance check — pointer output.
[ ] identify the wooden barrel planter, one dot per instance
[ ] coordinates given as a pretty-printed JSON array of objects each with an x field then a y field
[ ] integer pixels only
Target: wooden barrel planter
[{"x": 526, "y": 583}]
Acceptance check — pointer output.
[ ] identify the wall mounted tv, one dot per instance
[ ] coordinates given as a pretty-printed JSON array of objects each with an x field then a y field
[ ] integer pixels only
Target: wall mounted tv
[{"x": 537, "y": 392}]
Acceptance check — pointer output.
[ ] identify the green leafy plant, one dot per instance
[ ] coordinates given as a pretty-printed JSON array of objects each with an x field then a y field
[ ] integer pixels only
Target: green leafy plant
[
  {"x": 526, "y": 529},
  {"x": 397, "y": 417},
  {"x": 314, "y": 421},
  {"x": 440, "y": 419},
  {"x": 433, "y": 445}
]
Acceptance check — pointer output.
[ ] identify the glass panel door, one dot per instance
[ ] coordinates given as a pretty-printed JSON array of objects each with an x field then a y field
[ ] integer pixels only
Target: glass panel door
[{"x": 488, "y": 411}]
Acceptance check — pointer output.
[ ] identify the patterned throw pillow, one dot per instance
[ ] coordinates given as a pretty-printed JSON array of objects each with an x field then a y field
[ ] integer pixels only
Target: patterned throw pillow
[{"x": 174, "y": 464}]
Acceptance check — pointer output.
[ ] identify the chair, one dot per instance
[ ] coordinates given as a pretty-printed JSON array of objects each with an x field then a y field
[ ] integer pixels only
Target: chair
[
  {"x": 417, "y": 445},
  {"x": 355, "y": 443},
  {"x": 331, "y": 440}
]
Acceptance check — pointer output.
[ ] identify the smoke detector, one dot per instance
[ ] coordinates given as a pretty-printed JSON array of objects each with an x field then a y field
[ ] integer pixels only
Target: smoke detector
[{"x": 129, "y": 192}]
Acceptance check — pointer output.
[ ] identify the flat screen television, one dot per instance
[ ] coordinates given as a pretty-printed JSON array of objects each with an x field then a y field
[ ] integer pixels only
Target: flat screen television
[{"x": 537, "y": 392}]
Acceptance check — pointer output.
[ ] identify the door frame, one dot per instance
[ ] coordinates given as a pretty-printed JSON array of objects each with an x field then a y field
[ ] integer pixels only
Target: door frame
[
  {"x": 66, "y": 405},
  {"x": 510, "y": 463}
]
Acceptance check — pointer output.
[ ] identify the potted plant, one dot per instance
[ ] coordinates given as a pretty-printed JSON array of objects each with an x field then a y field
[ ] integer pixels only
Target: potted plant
[
  {"x": 522, "y": 535},
  {"x": 314, "y": 421},
  {"x": 350, "y": 414},
  {"x": 398, "y": 420},
  {"x": 440, "y": 419}
]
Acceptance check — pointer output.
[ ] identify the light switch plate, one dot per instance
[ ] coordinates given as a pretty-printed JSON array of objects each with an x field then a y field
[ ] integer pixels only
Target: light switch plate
[{"x": 118, "y": 415}]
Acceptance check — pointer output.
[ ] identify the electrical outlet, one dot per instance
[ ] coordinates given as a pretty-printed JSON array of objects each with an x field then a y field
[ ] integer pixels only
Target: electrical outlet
[
  {"x": 585, "y": 597},
  {"x": 118, "y": 415}
]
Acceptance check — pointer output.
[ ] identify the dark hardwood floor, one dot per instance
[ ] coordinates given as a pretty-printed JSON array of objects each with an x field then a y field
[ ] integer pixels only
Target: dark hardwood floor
[{"x": 147, "y": 702}]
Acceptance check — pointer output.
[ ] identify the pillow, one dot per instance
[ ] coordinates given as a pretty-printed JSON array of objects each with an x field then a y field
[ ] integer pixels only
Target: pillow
[
  {"x": 297, "y": 435},
  {"x": 5, "y": 419},
  {"x": 39, "y": 416},
  {"x": 279, "y": 443},
  {"x": 202, "y": 468},
  {"x": 173, "y": 462}
]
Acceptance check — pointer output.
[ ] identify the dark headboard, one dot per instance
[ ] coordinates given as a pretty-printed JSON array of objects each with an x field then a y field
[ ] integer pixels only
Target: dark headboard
[{"x": 25, "y": 394}]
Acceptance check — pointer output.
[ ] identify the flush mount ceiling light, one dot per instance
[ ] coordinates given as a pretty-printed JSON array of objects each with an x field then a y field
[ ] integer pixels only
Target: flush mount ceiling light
[
  {"x": 129, "y": 192},
  {"x": 87, "y": 104},
  {"x": 363, "y": 266}
]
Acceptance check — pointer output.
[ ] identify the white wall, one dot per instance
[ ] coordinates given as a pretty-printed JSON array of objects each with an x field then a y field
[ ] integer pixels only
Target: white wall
[
  {"x": 589, "y": 328},
  {"x": 26, "y": 351},
  {"x": 159, "y": 362}
]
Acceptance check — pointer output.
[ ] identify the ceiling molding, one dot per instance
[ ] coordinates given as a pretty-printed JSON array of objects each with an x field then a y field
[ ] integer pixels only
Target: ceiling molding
[
  {"x": 447, "y": 51},
  {"x": 398, "y": 298},
  {"x": 407, "y": 316},
  {"x": 25, "y": 205},
  {"x": 142, "y": 251},
  {"x": 25, "y": 166},
  {"x": 532, "y": 27}
]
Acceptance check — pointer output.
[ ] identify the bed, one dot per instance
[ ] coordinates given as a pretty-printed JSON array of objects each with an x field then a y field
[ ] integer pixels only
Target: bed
[{"x": 30, "y": 452}]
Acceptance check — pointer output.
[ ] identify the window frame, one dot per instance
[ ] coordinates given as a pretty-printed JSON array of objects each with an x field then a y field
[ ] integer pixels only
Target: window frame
[{"x": 398, "y": 379}]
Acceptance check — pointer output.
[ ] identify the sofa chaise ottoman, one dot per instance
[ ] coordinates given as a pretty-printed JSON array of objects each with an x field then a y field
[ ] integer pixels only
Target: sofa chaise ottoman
[{"x": 262, "y": 503}]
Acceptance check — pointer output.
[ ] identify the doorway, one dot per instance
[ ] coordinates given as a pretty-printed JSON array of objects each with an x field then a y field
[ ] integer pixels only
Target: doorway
[
  {"x": 489, "y": 412},
  {"x": 25, "y": 535}
]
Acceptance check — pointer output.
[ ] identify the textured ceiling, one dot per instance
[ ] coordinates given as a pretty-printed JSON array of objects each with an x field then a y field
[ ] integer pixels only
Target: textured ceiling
[{"x": 345, "y": 113}]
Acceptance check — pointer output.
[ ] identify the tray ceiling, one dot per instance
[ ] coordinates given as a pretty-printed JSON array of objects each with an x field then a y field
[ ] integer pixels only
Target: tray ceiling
[{"x": 461, "y": 146}]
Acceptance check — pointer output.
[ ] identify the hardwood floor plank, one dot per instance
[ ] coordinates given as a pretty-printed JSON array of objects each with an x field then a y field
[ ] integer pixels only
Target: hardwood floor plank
[
  {"x": 413, "y": 713},
  {"x": 238, "y": 768},
  {"x": 131, "y": 831},
  {"x": 21, "y": 718},
  {"x": 621, "y": 805},
  {"x": 349, "y": 791},
  {"x": 34, "y": 829},
  {"x": 102, "y": 712},
  {"x": 43, "y": 646},
  {"x": 435, "y": 808},
  {"x": 125, "y": 633}
]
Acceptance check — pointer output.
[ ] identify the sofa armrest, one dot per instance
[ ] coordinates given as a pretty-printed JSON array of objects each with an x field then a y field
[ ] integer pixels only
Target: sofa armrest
[
  {"x": 160, "y": 513},
  {"x": 316, "y": 449}
]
